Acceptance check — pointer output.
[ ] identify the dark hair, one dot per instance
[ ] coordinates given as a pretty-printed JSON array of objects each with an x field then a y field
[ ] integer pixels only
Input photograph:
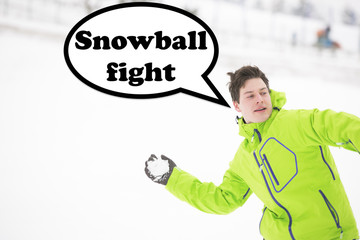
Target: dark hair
[{"x": 240, "y": 76}]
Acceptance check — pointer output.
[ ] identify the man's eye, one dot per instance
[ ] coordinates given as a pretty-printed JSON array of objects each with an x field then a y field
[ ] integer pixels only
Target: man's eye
[
  {"x": 250, "y": 96},
  {"x": 263, "y": 93}
]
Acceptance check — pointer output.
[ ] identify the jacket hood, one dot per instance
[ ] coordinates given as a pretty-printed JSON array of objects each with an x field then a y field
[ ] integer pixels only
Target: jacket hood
[{"x": 278, "y": 100}]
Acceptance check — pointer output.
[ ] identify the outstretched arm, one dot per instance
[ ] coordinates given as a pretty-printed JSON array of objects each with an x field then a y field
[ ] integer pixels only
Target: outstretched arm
[
  {"x": 207, "y": 197},
  {"x": 332, "y": 128}
]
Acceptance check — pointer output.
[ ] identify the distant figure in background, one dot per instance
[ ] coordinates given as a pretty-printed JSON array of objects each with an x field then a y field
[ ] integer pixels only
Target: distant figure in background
[
  {"x": 324, "y": 41},
  {"x": 294, "y": 39}
]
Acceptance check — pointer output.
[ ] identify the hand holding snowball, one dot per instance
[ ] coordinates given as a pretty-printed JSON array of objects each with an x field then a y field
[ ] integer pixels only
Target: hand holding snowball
[{"x": 159, "y": 170}]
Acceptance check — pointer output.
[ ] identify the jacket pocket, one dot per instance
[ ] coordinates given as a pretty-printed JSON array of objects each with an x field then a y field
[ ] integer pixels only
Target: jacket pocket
[
  {"x": 280, "y": 163},
  {"x": 332, "y": 211},
  {"x": 323, "y": 157}
]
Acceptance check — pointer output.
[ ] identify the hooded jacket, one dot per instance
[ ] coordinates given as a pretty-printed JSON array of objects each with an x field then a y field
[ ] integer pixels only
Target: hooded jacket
[{"x": 287, "y": 163}]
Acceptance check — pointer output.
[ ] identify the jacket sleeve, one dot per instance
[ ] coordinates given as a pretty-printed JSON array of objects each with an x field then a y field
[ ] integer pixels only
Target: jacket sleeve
[
  {"x": 223, "y": 199},
  {"x": 333, "y": 129}
]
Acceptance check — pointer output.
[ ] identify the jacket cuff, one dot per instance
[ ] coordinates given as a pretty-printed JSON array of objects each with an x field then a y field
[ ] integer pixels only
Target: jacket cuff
[{"x": 173, "y": 179}]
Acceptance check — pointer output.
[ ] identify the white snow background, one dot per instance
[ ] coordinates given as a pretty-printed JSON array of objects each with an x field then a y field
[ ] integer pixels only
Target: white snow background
[{"x": 72, "y": 158}]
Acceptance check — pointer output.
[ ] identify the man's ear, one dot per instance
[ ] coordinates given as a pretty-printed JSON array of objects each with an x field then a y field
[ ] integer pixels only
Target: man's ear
[{"x": 236, "y": 105}]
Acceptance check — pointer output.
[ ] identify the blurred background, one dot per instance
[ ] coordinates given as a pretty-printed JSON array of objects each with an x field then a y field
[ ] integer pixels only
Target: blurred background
[{"x": 72, "y": 158}]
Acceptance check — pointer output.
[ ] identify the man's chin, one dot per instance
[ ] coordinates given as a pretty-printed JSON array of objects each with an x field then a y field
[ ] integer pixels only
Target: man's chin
[{"x": 260, "y": 119}]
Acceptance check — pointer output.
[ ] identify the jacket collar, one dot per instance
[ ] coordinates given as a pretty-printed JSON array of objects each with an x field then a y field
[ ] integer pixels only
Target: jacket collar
[{"x": 247, "y": 130}]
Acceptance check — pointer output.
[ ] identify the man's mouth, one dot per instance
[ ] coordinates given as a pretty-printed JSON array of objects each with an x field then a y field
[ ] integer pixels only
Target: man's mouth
[{"x": 260, "y": 110}]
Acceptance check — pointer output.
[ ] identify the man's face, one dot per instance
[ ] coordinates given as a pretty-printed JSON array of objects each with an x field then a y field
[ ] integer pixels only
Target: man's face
[{"x": 254, "y": 102}]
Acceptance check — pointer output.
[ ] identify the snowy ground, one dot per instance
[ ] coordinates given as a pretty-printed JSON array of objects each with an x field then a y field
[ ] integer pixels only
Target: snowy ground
[{"x": 72, "y": 158}]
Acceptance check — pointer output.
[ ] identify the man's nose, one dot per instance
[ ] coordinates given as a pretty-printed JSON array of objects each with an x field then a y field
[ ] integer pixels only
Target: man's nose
[{"x": 259, "y": 98}]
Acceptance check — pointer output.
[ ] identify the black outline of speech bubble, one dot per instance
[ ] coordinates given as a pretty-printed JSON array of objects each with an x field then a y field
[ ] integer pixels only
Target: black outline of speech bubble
[{"x": 220, "y": 99}]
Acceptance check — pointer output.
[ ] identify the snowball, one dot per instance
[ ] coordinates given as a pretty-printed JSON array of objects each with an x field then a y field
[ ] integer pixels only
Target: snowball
[{"x": 158, "y": 167}]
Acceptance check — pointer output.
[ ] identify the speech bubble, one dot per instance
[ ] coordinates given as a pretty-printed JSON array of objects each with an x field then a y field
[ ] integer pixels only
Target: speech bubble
[{"x": 144, "y": 50}]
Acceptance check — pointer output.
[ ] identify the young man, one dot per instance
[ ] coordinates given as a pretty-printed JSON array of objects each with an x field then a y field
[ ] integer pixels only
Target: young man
[{"x": 284, "y": 159}]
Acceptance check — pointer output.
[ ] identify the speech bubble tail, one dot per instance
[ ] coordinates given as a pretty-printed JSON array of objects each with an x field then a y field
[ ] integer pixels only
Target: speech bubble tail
[{"x": 219, "y": 100}]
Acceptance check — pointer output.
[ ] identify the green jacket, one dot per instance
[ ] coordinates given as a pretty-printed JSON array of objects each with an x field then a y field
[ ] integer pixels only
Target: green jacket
[{"x": 287, "y": 163}]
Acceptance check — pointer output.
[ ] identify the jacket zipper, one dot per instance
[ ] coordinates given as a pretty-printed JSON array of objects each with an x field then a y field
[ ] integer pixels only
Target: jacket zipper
[
  {"x": 322, "y": 155},
  {"x": 343, "y": 143},
  {"x": 354, "y": 146},
  {"x": 333, "y": 213},
  {"x": 272, "y": 196},
  {"x": 262, "y": 219},
  {"x": 268, "y": 188},
  {"x": 247, "y": 192},
  {"x": 271, "y": 171},
  {"x": 258, "y": 134}
]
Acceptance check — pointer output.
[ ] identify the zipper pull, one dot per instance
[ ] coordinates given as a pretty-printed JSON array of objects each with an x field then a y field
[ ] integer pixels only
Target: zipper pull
[
  {"x": 341, "y": 234},
  {"x": 252, "y": 138},
  {"x": 261, "y": 167}
]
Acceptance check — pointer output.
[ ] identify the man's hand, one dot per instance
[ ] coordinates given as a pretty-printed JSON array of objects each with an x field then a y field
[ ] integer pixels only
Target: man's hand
[{"x": 159, "y": 170}]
